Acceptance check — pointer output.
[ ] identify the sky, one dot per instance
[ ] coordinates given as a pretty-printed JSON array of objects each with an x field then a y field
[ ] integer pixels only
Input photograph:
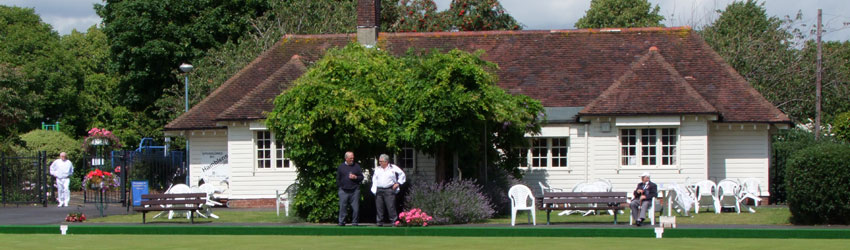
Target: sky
[{"x": 66, "y": 15}]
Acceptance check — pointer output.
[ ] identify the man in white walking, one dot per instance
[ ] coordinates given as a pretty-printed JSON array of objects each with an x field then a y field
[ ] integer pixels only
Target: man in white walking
[{"x": 62, "y": 169}]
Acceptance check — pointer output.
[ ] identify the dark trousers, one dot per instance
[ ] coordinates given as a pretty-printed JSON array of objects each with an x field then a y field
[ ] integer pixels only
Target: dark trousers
[
  {"x": 385, "y": 202},
  {"x": 347, "y": 197}
]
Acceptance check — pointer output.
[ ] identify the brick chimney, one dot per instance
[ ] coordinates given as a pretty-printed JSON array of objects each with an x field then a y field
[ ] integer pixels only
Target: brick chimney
[{"x": 368, "y": 21}]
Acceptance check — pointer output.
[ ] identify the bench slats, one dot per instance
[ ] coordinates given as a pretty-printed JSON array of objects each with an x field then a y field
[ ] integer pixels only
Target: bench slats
[
  {"x": 176, "y": 202},
  {"x": 567, "y": 201},
  {"x": 158, "y": 208},
  {"x": 173, "y": 196},
  {"x": 579, "y": 200},
  {"x": 179, "y": 202}
]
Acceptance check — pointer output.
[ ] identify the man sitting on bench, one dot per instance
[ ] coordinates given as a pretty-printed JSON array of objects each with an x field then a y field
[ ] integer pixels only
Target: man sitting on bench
[{"x": 643, "y": 197}]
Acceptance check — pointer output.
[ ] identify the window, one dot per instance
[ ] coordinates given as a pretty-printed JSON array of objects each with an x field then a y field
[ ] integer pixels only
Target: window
[
  {"x": 539, "y": 153},
  {"x": 650, "y": 143},
  {"x": 559, "y": 152},
  {"x": 523, "y": 157},
  {"x": 668, "y": 146},
  {"x": 280, "y": 156},
  {"x": 406, "y": 158},
  {"x": 546, "y": 152},
  {"x": 628, "y": 146},
  {"x": 264, "y": 149},
  {"x": 270, "y": 153}
]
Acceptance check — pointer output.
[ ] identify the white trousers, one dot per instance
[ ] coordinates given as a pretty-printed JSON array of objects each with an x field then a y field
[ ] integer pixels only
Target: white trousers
[{"x": 63, "y": 194}]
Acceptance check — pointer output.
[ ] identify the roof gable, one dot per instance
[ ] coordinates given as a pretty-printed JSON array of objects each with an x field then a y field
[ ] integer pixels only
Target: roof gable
[
  {"x": 255, "y": 103},
  {"x": 650, "y": 87}
]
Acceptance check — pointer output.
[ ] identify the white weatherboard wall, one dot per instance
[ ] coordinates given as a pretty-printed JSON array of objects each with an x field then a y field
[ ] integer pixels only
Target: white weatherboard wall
[
  {"x": 603, "y": 155},
  {"x": 739, "y": 151},
  {"x": 560, "y": 177},
  {"x": 204, "y": 141},
  {"x": 248, "y": 182}
]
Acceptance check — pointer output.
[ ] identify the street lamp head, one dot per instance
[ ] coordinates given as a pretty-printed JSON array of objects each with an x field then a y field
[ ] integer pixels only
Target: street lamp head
[{"x": 186, "y": 68}]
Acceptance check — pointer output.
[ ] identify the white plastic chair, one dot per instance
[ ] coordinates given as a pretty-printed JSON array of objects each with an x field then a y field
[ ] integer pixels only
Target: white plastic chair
[
  {"x": 682, "y": 198},
  {"x": 178, "y": 189},
  {"x": 520, "y": 194},
  {"x": 751, "y": 189},
  {"x": 285, "y": 197},
  {"x": 210, "y": 190},
  {"x": 650, "y": 213},
  {"x": 727, "y": 194},
  {"x": 706, "y": 188}
]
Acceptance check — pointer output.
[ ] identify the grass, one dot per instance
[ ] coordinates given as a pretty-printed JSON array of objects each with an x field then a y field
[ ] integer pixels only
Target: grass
[
  {"x": 763, "y": 216},
  {"x": 42, "y": 241},
  {"x": 225, "y": 216}
]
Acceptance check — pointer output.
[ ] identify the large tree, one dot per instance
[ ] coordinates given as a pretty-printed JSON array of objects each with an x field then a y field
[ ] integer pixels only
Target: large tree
[
  {"x": 371, "y": 102},
  {"x": 462, "y": 15},
  {"x": 149, "y": 39},
  {"x": 620, "y": 14},
  {"x": 40, "y": 71},
  {"x": 779, "y": 60}
]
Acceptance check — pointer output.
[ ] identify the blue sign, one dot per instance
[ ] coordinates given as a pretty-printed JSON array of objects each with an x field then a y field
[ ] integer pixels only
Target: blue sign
[{"x": 138, "y": 189}]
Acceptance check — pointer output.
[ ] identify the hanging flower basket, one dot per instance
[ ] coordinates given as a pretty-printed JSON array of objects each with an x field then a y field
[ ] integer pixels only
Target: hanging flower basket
[
  {"x": 100, "y": 139},
  {"x": 100, "y": 180}
]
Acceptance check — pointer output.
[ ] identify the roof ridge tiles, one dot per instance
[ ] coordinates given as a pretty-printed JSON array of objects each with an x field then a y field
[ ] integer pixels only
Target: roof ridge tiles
[{"x": 499, "y": 32}]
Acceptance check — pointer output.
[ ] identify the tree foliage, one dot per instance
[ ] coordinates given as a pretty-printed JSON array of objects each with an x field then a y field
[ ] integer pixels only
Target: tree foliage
[
  {"x": 818, "y": 184},
  {"x": 778, "y": 60},
  {"x": 620, "y": 14},
  {"x": 371, "y": 102},
  {"x": 149, "y": 39},
  {"x": 462, "y": 15},
  {"x": 38, "y": 71}
]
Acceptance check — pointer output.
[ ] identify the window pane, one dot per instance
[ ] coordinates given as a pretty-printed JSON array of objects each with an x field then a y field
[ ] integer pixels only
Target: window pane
[
  {"x": 648, "y": 141},
  {"x": 668, "y": 145},
  {"x": 539, "y": 152},
  {"x": 264, "y": 151},
  {"x": 559, "y": 152},
  {"x": 628, "y": 146}
]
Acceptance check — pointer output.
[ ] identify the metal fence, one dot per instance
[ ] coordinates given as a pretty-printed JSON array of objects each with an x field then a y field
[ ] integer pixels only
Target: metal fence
[
  {"x": 24, "y": 180},
  {"x": 160, "y": 170}
]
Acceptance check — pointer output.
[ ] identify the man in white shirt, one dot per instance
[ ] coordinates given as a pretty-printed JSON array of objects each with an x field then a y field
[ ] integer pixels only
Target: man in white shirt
[
  {"x": 62, "y": 169},
  {"x": 386, "y": 182}
]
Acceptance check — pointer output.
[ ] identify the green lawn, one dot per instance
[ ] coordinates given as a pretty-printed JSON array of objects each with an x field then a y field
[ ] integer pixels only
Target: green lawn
[
  {"x": 225, "y": 216},
  {"x": 43, "y": 241},
  {"x": 763, "y": 216}
]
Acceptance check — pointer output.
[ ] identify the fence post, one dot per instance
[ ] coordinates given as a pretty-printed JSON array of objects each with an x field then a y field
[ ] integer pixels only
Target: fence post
[
  {"x": 42, "y": 177},
  {"x": 3, "y": 177}
]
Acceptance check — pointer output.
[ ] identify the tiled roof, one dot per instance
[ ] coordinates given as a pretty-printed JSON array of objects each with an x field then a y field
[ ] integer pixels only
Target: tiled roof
[
  {"x": 561, "y": 68},
  {"x": 650, "y": 87}
]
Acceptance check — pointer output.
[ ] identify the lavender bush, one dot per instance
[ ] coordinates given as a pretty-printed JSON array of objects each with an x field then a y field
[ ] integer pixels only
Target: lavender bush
[{"x": 455, "y": 202}]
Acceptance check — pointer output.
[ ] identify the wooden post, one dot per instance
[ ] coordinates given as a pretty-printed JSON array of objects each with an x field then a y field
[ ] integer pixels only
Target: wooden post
[{"x": 818, "y": 81}]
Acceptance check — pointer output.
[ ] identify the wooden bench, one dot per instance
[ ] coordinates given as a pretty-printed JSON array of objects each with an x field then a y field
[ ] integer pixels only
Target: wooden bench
[
  {"x": 172, "y": 202},
  {"x": 592, "y": 201}
]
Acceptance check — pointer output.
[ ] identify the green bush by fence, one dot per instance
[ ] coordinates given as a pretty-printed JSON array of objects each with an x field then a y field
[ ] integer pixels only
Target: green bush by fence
[
  {"x": 818, "y": 184},
  {"x": 785, "y": 143},
  {"x": 841, "y": 126}
]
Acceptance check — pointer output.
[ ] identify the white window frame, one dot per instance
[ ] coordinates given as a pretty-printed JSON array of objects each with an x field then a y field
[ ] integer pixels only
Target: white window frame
[
  {"x": 399, "y": 158},
  {"x": 273, "y": 157},
  {"x": 658, "y": 145},
  {"x": 549, "y": 155}
]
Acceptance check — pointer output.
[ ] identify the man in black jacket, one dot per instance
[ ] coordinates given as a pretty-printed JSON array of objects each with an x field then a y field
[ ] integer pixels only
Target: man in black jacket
[
  {"x": 348, "y": 178},
  {"x": 643, "y": 197}
]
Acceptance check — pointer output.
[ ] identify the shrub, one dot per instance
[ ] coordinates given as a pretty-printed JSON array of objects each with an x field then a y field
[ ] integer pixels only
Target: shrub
[
  {"x": 496, "y": 189},
  {"x": 818, "y": 184},
  {"x": 454, "y": 202},
  {"x": 54, "y": 142},
  {"x": 841, "y": 126},
  {"x": 784, "y": 144}
]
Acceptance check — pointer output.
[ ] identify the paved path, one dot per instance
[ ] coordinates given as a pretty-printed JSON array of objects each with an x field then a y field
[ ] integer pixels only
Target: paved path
[{"x": 11, "y": 214}]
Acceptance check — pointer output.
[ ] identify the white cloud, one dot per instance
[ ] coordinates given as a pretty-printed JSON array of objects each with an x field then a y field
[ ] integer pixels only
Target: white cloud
[{"x": 65, "y": 24}]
